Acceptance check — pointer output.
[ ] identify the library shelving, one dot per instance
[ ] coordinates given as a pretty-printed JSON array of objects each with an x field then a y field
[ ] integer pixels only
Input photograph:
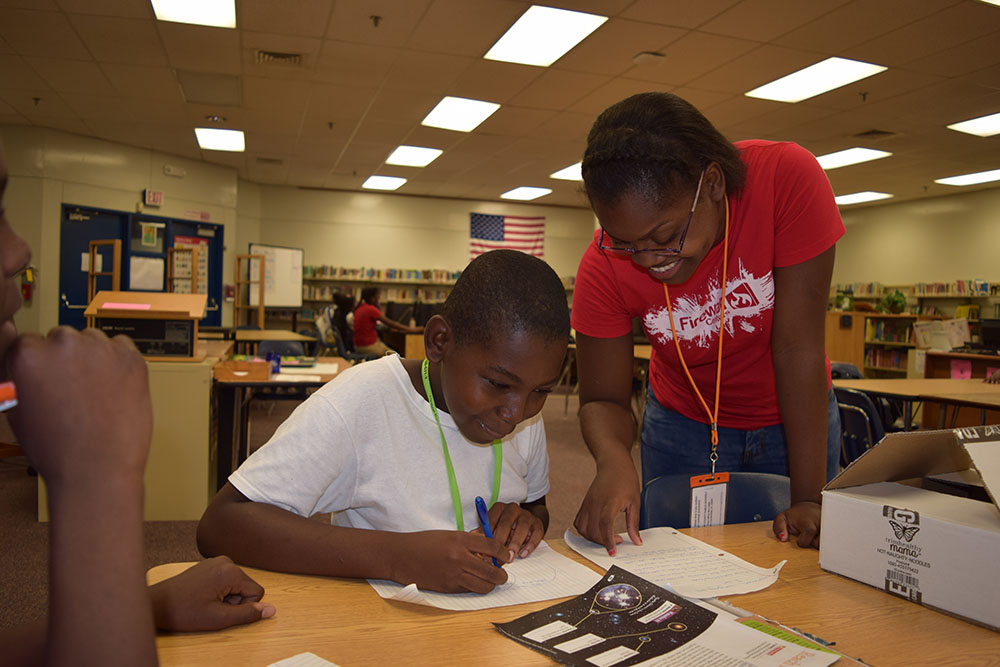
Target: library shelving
[{"x": 877, "y": 343}]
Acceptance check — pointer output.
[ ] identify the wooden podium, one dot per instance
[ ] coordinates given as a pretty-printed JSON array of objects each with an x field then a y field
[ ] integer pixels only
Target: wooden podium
[{"x": 163, "y": 325}]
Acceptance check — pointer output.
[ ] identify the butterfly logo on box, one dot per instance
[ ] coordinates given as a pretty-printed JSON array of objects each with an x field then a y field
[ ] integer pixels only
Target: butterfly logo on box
[{"x": 900, "y": 577}]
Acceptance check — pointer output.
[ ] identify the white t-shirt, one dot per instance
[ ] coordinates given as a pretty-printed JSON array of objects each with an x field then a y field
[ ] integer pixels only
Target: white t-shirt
[{"x": 366, "y": 447}]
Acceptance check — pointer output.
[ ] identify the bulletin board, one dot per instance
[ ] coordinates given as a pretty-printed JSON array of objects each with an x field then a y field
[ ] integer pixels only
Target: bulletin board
[{"x": 282, "y": 275}]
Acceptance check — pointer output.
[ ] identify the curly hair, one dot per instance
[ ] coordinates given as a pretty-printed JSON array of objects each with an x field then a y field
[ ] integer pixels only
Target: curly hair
[
  {"x": 652, "y": 145},
  {"x": 503, "y": 292}
]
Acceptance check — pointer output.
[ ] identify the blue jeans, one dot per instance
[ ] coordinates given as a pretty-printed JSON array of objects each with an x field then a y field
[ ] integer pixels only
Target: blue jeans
[{"x": 672, "y": 443}]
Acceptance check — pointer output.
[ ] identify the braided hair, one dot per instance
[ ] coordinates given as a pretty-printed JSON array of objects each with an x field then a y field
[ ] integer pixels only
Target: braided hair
[{"x": 654, "y": 145}]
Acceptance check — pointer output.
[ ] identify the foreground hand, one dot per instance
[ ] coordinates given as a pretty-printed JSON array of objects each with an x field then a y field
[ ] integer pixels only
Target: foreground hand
[
  {"x": 994, "y": 378},
  {"x": 211, "y": 595},
  {"x": 84, "y": 412},
  {"x": 801, "y": 519},
  {"x": 615, "y": 489},
  {"x": 516, "y": 528},
  {"x": 450, "y": 562}
]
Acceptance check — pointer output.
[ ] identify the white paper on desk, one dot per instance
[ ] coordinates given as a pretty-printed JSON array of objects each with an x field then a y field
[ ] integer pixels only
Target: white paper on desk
[
  {"x": 315, "y": 369},
  {"x": 303, "y": 660},
  {"x": 544, "y": 575},
  {"x": 296, "y": 377},
  {"x": 680, "y": 563}
]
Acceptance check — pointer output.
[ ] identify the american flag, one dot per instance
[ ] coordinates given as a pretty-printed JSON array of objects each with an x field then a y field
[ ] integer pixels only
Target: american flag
[{"x": 490, "y": 232}]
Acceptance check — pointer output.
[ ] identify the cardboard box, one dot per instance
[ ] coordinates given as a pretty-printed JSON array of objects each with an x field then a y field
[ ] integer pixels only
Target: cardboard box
[
  {"x": 937, "y": 549},
  {"x": 242, "y": 371}
]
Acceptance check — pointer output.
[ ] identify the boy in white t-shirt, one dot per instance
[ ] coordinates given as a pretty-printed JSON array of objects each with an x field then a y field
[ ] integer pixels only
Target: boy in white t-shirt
[{"x": 399, "y": 472}]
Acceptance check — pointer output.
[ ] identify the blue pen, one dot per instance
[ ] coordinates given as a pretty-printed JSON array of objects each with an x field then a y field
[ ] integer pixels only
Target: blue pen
[{"x": 484, "y": 520}]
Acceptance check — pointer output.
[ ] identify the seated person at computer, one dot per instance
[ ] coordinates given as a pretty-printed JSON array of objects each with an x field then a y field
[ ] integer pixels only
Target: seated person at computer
[
  {"x": 398, "y": 449},
  {"x": 366, "y": 316}
]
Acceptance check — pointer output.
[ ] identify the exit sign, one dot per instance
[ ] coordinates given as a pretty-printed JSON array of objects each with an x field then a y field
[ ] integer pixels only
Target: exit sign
[{"x": 152, "y": 197}]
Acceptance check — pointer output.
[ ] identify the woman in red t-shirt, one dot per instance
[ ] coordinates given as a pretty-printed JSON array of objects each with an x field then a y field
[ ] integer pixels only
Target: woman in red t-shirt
[
  {"x": 366, "y": 316},
  {"x": 686, "y": 216}
]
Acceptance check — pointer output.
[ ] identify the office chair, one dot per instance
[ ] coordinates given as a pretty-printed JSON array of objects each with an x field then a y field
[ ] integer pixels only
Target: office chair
[
  {"x": 750, "y": 496},
  {"x": 352, "y": 357},
  {"x": 860, "y": 425},
  {"x": 841, "y": 370}
]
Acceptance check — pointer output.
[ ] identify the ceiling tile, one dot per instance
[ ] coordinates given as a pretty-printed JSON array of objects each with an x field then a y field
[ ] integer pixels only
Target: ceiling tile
[
  {"x": 201, "y": 48},
  {"x": 425, "y": 72},
  {"x": 612, "y": 92},
  {"x": 41, "y": 33},
  {"x": 288, "y": 17},
  {"x": 764, "y": 20},
  {"x": 352, "y": 21},
  {"x": 511, "y": 121},
  {"x": 682, "y": 13},
  {"x": 120, "y": 8},
  {"x": 262, "y": 93},
  {"x": 72, "y": 76},
  {"x": 609, "y": 50},
  {"x": 757, "y": 67},
  {"x": 482, "y": 21},
  {"x": 692, "y": 56},
  {"x": 15, "y": 73},
  {"x": 354, "y": 65},
  {"x": 556, "y": 89},
  {"x": 88, "y": 107},
  {"x": 37, "y": 104},
  {"x": 120, "y": 40},
  {"x": 152, "y": 83}
]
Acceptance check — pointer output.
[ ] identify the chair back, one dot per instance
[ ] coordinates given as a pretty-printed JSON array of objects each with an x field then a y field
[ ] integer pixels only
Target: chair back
[
  {"x": 860, "y": 425},
  {"x": 841, "y": 370},
  {"x": 750, "y": 496},
  {"x": 285, "y": 348}
]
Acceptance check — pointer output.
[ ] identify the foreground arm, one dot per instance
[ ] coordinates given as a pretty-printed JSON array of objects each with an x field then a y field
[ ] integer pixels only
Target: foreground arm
[
  {"x": 266, "y": 536},
  {"x": 85, "y": 421},
  {"x": 605, "y": 367},
  {"x": 797, "y": 347}
]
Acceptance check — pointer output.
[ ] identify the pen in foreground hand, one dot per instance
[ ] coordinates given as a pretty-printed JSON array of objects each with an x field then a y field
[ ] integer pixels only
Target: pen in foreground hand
[{"x": 484, "y": 520}]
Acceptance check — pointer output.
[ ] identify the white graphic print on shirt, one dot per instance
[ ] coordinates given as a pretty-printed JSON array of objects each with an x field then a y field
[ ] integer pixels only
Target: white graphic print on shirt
[{"x": 697, "y": 316}]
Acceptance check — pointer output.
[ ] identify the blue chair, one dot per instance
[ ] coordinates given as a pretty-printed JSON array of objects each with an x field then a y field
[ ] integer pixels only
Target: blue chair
[
  {"x": 860, "y": 424},
  {"x": 750, "y": 496}
]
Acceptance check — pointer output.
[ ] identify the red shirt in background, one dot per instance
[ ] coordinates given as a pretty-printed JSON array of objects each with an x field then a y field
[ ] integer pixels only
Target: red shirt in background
[
  {"x": 784, "y": 215},
  {"x": 365, "y": 318}
]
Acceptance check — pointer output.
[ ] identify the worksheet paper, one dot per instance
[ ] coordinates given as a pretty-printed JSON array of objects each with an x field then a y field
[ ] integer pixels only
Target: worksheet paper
[
  {"x": 303, "y": 660},
  {"x": 680, "y": 563},
  {"x": 314, "y": 369},
  {"x": 543, "y": 575}
]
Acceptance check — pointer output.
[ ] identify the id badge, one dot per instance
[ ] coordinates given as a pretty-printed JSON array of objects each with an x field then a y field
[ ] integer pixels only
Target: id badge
[{"x": 708, "y": 499}]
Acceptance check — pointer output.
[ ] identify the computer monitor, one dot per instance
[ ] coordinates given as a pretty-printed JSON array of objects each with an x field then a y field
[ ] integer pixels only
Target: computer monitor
[{"x": 989, "y": 334}]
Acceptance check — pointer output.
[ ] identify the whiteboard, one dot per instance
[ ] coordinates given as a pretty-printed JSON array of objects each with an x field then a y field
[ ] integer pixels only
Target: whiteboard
[{"x": 282, "y": 276}]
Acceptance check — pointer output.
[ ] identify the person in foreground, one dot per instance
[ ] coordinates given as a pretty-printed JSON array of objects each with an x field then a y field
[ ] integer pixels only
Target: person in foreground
[
  {"x": 685, "y": 218},
  {"x": 85, "y": 421},
  {"x": 398, "y": 449}
]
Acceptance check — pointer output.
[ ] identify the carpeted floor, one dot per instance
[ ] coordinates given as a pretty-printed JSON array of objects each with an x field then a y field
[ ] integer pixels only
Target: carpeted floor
[{"x": 24, "y": 541}]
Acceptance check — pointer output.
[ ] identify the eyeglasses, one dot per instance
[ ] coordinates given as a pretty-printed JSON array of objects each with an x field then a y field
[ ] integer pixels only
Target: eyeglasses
[{"x": 605, "y": 242}]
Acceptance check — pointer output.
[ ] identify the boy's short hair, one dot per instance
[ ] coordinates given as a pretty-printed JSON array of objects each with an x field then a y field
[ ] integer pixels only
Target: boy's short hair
[{"x": 503, "y": 292}]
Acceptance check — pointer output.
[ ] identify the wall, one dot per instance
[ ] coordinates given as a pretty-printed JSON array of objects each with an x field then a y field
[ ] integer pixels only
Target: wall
[
  {"x": 380, "y": 231},
  {"x": 48, "y": 168},
  {"x": 938, "y": 239}
]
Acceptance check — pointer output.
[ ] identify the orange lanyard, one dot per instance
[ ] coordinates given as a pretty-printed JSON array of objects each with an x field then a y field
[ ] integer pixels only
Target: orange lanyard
[{"x": 713, "y": 416}]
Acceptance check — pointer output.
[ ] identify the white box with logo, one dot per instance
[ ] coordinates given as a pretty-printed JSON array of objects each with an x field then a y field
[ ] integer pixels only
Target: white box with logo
[{"x": 938, "y": 549}]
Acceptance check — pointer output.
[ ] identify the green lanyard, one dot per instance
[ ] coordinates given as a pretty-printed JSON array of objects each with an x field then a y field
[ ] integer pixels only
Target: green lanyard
[{"x": 456, "y": 500}]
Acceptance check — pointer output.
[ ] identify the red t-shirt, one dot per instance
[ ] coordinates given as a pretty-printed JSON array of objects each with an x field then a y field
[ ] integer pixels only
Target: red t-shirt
[
  {"x": 785, "y": 215},
  {"x": 365, "y": 318}
]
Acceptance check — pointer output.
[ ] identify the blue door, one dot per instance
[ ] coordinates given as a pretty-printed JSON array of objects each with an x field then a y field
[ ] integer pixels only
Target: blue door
[{"x": 79, "y": 227}]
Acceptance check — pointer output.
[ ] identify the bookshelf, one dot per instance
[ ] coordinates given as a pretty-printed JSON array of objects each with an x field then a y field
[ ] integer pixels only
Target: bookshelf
[{"x": 877, "y": 343}]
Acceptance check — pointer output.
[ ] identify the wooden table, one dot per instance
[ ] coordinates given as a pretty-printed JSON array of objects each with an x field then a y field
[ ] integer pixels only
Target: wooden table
[
  {"x": 345, "y": 621},
  {"x": 248, "y": 338},
  {"x": 938, "y": 390},
  {"x": 234, "y": 396}
]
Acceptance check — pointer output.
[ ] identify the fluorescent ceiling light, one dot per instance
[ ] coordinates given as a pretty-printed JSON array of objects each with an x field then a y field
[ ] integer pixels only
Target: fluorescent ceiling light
[
  {"x": 215, "y": 139},
  {"x": 383, "y": 182},
  {"x": 992, "y": 2},
  {"x": 971, "y": 179},
  {"x": 815, "y": 79},
  {"x": 459, "y": 114},
  {"x": 570, "y": 173},
  {"x": 850, "y": 156},
  {"x": 525, "y": 193},
  {"x": 216, "y": 13},
  {"x": 543, "y": 35},
  {"x": 413, "y": 156},
  {"x": 984, "y": 126},
  {"x": 860, "y": 197}
]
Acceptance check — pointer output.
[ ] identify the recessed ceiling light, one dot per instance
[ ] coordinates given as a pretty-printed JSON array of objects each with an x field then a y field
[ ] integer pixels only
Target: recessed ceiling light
[
  {"x": 984, "y": 126},
  {"x": 570, "y": 173},
  {"x": 815, "y": 79},
  {"x": 525, "y": 193},
  {"x": 971, "y": 179},
  {"x": 459, "y": 114},
  {"x": 860, "y": 197},
  {"x": 383, "y": 182},
  {"x": 992, "y": 2},
  {"x": 413, "y": 156},
  {"x": 215, "y": 139},
  {"x": 850, "y": 156},
  {"x": 215, "y": 13},
  {"x": 543, "y": 35}
]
